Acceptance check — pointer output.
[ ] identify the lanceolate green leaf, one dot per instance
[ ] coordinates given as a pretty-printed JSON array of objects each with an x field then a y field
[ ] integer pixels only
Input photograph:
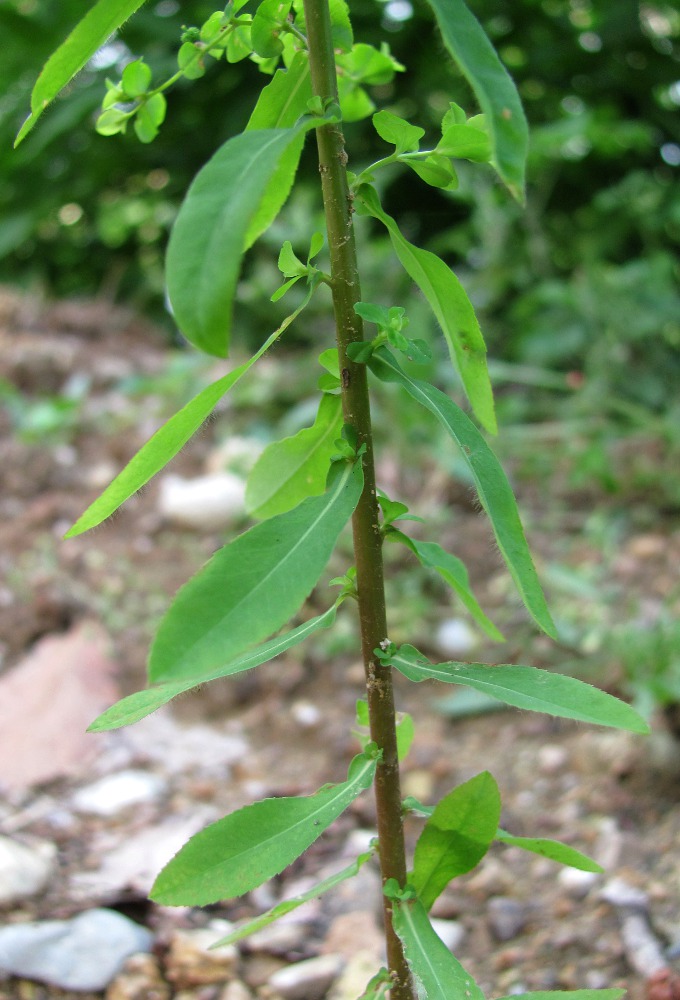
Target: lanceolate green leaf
[
  {"x": 452, "y": 308},
  {"x": 279, "y": 105},
  {"x": 290, "y": 470},
  {"x": 526, "y": 687},
  {"x": 435, "y": 969},
  {"x": 492, "y": 485},
  {"x": 243, "y": 850},
  {"x": 142, "y": 703},
  {"x": 552, "y": 849},
  {"x": 476, "y": 57},
  {"x": 169, "y": 439},
  {"x": 288, "y": 905},
  {"x": 456, "y": 836},
  {"x": 252, "y": 586},
  {"x": 209, "y": 236},
  {"x": 454, "y": 571},
  {"x": 100, "y": 22}
]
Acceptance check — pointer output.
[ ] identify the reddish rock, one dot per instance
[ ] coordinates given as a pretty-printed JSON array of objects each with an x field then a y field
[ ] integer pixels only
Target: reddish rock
[{"x": 48, "y": 700}]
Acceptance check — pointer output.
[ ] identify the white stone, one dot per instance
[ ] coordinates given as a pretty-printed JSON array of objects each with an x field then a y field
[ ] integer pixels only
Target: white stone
[
  {"x": 308, "y": 980},
  {"x": 356, "y": 974},
  {"x": 618, "y": 892},
  {"x": 576, "y": 882},
  {"x": 193, "y": 961},
  {"x": 116, "y": 792},
  {"x": 306, "y": 714},
  {"x": 552, "y": 758},
  {"x": 206, "y": 503},
  {"x": 82, "y": 954},
  {"x": 451, "y": 932},
  {"x": 454, "y": 637},
  {"x": 24, "y": 871}
]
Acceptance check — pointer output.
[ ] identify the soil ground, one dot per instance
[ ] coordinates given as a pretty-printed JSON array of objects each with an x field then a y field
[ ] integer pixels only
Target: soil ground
[{"x": 612, "y": 795}]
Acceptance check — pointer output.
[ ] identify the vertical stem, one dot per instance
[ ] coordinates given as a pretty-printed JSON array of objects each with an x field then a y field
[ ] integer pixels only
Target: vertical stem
[{"x": 365, "y": 522}]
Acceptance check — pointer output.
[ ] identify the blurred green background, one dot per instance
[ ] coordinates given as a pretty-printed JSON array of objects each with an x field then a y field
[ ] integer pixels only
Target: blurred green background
[{"x": 583, "y": 281}]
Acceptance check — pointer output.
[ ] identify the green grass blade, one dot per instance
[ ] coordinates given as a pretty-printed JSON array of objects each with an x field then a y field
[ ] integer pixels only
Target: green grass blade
[
  {"x": 142, "y": 703},
  {"x": 454, "y": 572},
  {"x": 210, "y": 232},
  {"x": 100, "y": 22},
  {"x": 288, "y": 905},
  {"x": 254, "y": 585},
  {"x": 434, "y": 968},
  {"x": 279, "y": 105},
  {"x": 476, "y": 57},
  {"x": 169, "y": 440},
  {"x": 243, "y": 850},
  {"x": 452, "y": 308},
  {"x": 456, "y": 836},
  {"x": 493, "y": 488},
  {"x": 526, "y": 687},
  {"x": 290, "y": 470},
  {"x": 555, "y": 850}
]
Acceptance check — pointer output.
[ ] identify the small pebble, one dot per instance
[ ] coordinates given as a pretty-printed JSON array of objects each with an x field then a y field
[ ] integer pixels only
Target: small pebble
[
  {"x": 552, "y": 758},
  {"x": 576, "y": 882},
  {"x": 140, "y": 979},
  {"x": 620, "y": 893},
  {"x": 306, "y": 714},
  {"x": 642, "y": 949},
  {"x": 24, "y": 871},
  {"x": 451, "y": 932},
  {"x": 308, "y": 980},
  {"x": 205, "y": 503},
  {"x": 357, "y": 972},
  {"x": 84, "y": 953},
  {"x": 455, "y": 638},
  {"x": 507, "y": 917},
  {"x": 191, "y": 961},
  {"x": 116, "y": 792}
]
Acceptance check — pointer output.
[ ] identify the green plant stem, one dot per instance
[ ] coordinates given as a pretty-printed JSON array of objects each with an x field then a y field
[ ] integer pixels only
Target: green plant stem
[{"x": 365, "y": 523}]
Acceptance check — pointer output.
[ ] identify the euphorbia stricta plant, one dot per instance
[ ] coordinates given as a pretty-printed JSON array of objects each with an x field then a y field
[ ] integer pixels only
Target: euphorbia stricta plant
[{"x": 236, "y": 612}]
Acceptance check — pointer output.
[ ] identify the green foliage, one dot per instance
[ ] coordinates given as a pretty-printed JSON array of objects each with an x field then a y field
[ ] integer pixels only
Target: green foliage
[
  {"x": 306, "y": 487},
  {"x": 243, "y": 850}
]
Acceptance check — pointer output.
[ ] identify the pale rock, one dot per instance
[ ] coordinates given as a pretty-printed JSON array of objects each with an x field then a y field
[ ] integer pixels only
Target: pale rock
[
  {"x": 308, "y": 980},
  {"x": 236, "y": 454},
  {"x": 191, "y": 961},
  {"x": 116, "y": 792},
  {"x": 506, "y": 917},
  {"x": 350, "y": 933},
  {"x": 135, "y": 864},
  {"x": 358, "y": 842},
  {"x": 206, "y": 503},
  {"x": 179, "y": 748},
  {"x": 451, "y": 932},
  {"x": 257, "y": 969},
  {"x": 617, "y": 892},
  {"x": 575, "y": 882},
  {"x": 81, "y": 954},
  {"x": 236, "y": 990},
  {"x": 280, "y": 938},
  {"x": 24, "y": 870},
  {"x": 48, "y": 700},
  {"x": 455, "y": 638},
  {"x": 643, "y": 950},
  {"x": 140, "y": 979},
  {"x": 306, "y": 714},
  {"x": 356, "y": 974},
  {"x": 552, "y": 758}
]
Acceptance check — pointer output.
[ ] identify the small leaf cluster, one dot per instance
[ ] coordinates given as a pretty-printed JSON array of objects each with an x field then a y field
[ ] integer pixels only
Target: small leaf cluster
[{"x": 390, "y": 322}]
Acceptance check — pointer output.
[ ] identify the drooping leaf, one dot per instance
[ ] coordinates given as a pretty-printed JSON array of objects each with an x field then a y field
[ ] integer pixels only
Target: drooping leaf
[
  {"x": 552, "y": 849},
  {"x": 279, "y": 105},
  {"x": 254, "y": 585},
  {"x": 476, "y": 57},
  {"x": 435, "y": 170},
  {"x": 100, "y": 22},
  {"x": 456, "y": 836},
  {"x": 526, "y": 687},
  {"x": 454, "y": 571},
  {"x": 288, "y": 905},
  {"x": 290, "y": 470},
  {"x": 142, "y": 703},
  {"x": 438, "y": 973},
  {"x": 170, "y": 439},
  {"x": 451, "y": 307},
  {"x": 210, "y": 233},
  {"x": 243, "y": 850},
  {"x": 613, "y": 994},
  {"x": 492, "y": 486}
]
